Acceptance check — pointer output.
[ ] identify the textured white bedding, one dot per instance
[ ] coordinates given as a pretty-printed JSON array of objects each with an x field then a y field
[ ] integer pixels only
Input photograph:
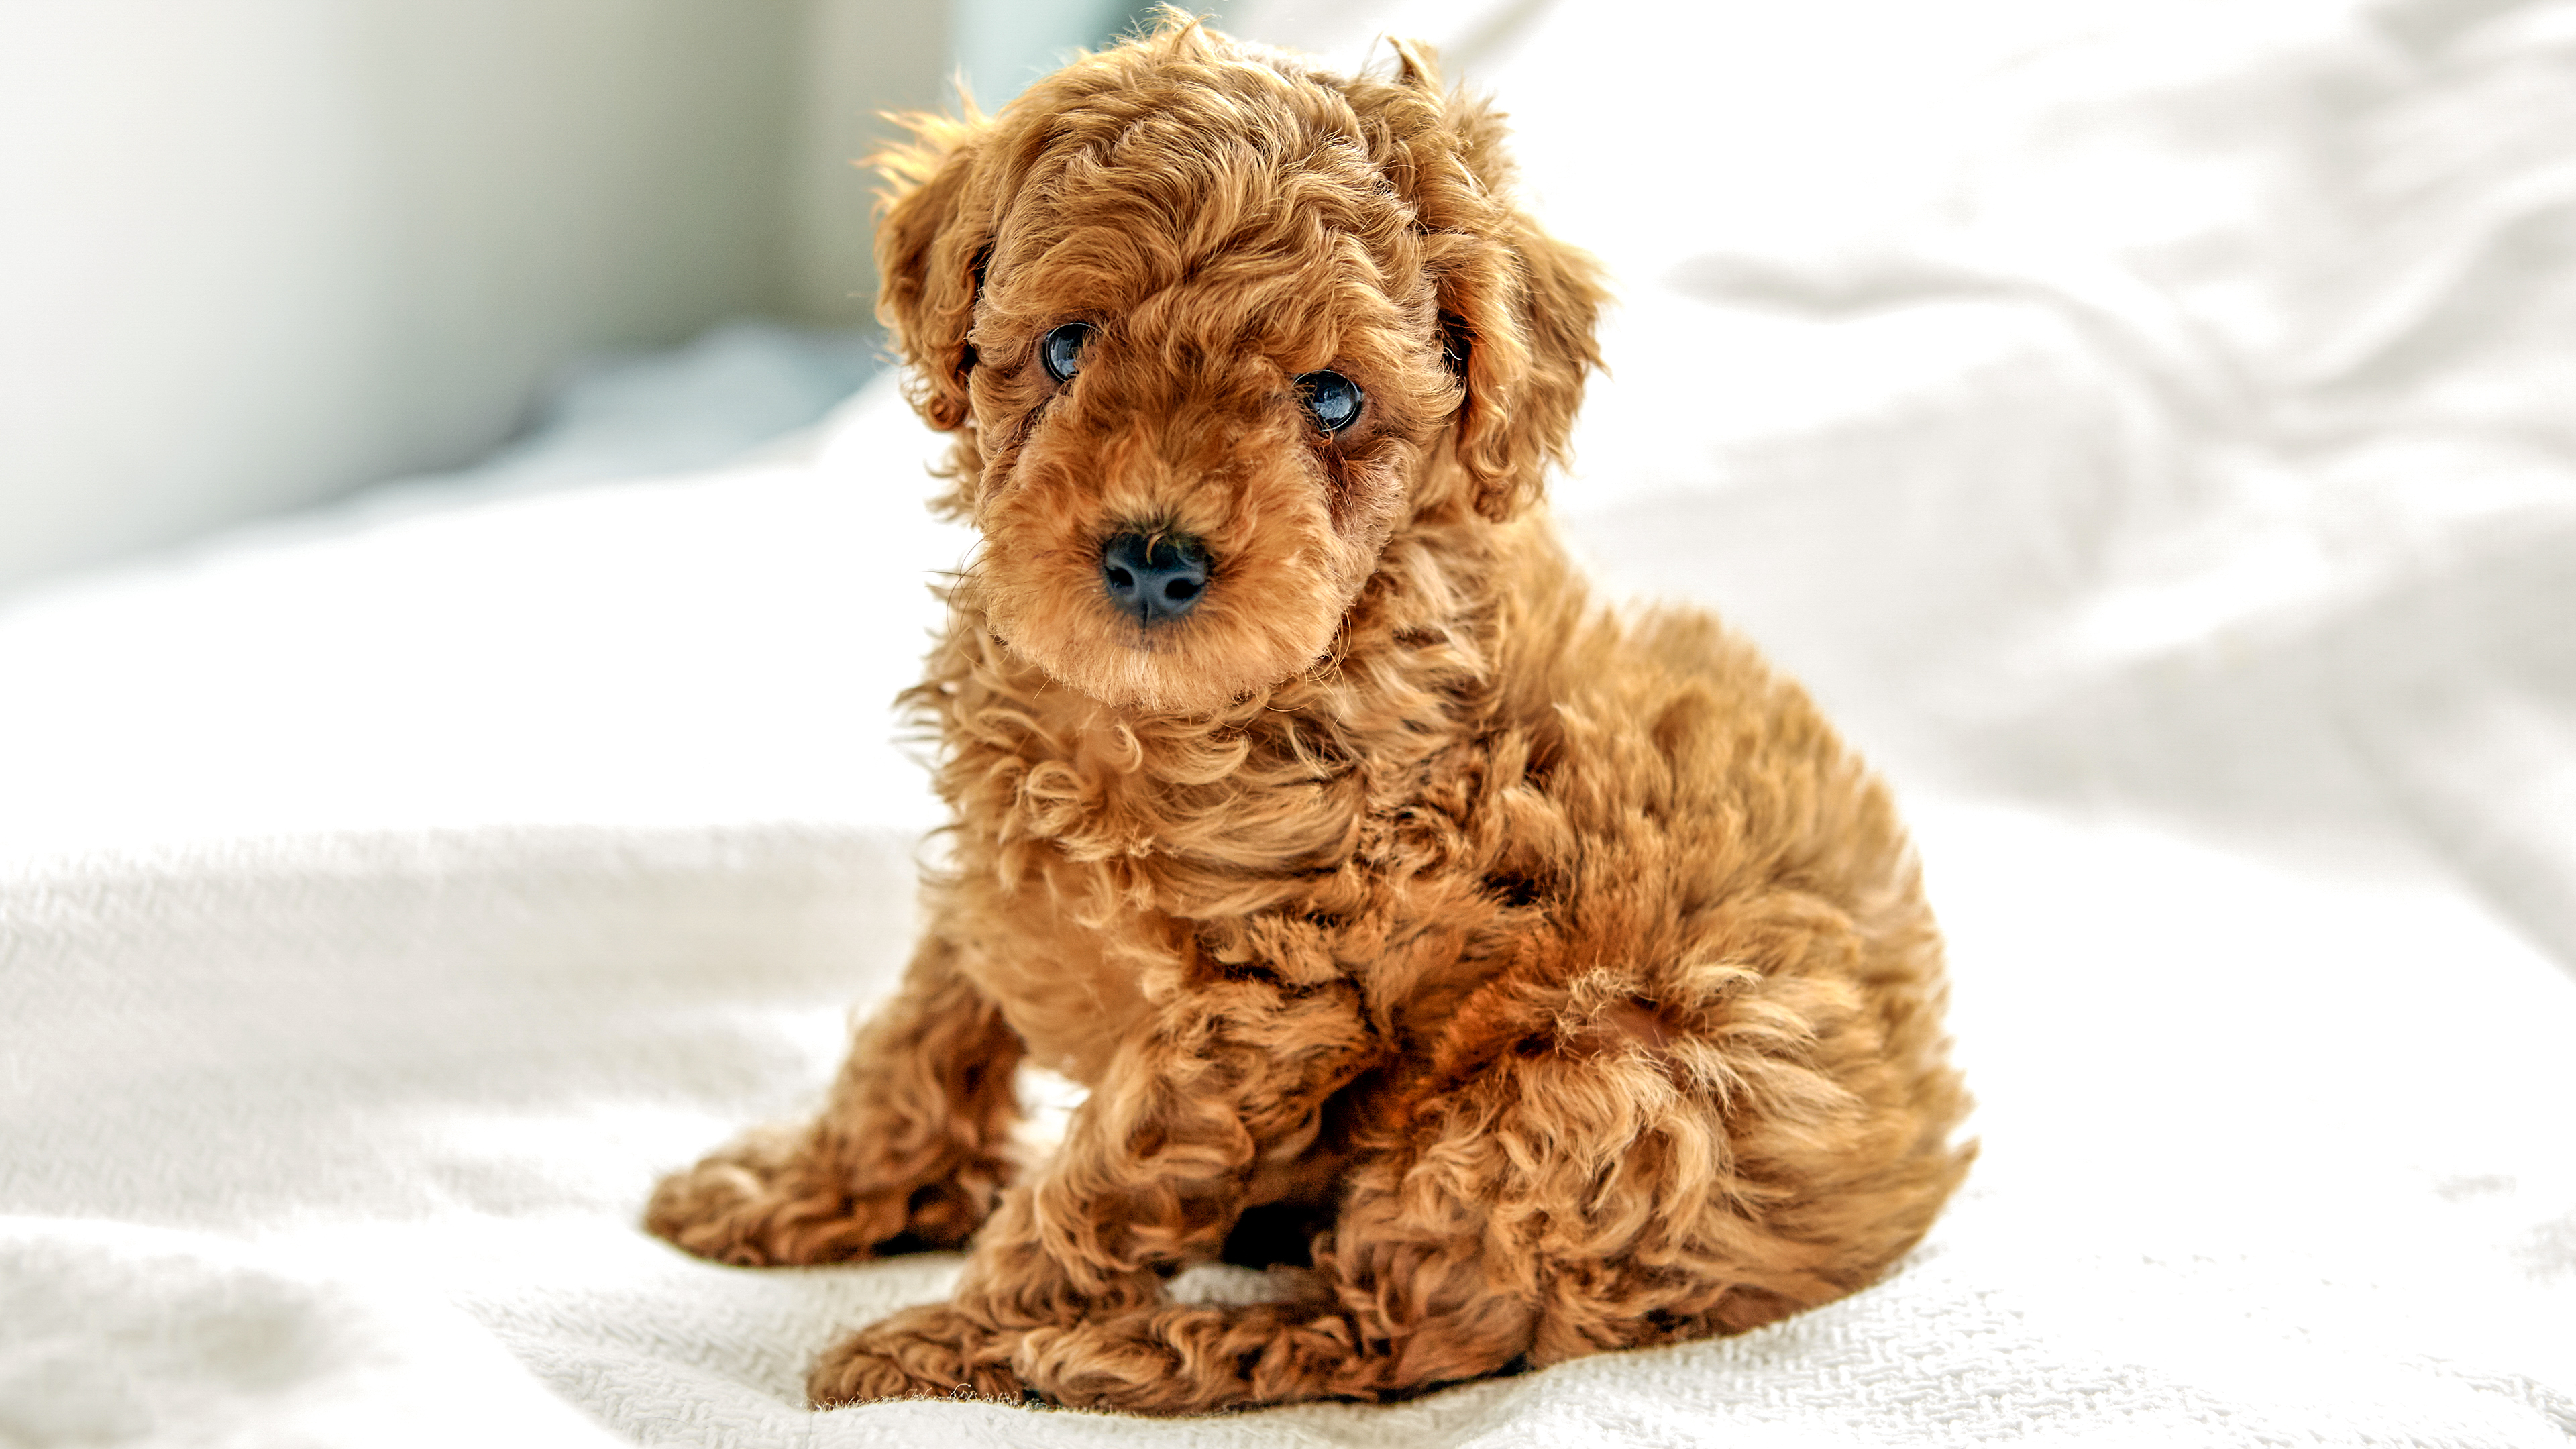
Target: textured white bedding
[{"x": 2148, "y": 429}]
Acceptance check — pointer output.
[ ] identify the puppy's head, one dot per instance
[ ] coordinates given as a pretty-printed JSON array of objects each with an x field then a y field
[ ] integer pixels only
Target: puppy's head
[{"x": 1211, "y": 326}]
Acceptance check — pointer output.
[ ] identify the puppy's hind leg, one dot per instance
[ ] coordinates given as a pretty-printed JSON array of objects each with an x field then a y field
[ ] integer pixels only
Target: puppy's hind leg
[{"x": 908, "y": 1152}]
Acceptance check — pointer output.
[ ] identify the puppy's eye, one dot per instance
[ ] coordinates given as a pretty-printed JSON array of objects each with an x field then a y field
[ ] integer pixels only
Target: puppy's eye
[
  {"x": 1331, "y": 399},
  {"x": 1062, "y": 350}
]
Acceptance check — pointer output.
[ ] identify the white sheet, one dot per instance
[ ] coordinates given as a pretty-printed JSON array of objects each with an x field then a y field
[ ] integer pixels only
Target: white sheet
[{"x": 2146, "y": 429}]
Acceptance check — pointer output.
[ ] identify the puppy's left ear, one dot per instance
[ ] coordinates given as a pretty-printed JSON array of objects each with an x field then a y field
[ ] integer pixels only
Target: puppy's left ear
[
  {"x": 929, "y": 267},
  {"x": 1518, "y": 328},
  {"x": 1517, "y": 306}
]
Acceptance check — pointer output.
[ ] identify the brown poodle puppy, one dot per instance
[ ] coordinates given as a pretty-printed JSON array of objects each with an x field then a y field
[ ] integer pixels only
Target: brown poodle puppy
[{"x": 1549, "y": 981}]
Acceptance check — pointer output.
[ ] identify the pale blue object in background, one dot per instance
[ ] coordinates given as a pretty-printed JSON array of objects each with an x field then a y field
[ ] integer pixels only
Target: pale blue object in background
[{"x": 1002, "y": 45}]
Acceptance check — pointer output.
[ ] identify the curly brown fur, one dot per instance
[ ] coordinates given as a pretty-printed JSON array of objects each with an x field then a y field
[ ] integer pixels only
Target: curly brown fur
[{"x": 1563, "y": 968}]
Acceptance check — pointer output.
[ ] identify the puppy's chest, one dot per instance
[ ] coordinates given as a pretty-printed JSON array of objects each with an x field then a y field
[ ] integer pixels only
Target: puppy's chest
[{"x": 1122, "y": 886}]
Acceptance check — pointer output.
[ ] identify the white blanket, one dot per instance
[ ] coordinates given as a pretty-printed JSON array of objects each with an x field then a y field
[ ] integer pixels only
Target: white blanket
[{"x": 2150, "y": 432}]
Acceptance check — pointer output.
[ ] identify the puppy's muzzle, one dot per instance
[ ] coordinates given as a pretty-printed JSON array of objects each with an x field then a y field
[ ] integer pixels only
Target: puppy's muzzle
[{"x": 1153, "y": 578}]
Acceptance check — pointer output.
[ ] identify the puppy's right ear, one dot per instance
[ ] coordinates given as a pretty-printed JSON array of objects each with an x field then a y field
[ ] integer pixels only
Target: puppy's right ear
[{"x": 930, "y": 259}]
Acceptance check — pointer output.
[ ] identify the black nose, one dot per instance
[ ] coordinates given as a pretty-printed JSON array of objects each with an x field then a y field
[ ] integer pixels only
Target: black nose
[{"x": 1154, "y": 578}]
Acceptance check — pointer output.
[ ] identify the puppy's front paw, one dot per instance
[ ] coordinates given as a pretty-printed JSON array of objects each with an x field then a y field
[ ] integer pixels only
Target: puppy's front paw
[
  {"x": 769, "y": 1199},
  {"x": 921, "y": 1353}
]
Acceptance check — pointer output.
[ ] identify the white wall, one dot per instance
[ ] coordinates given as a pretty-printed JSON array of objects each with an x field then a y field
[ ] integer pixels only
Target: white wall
[
  {"x": 861, "y": 58},
  {"x": 256, "y": 252}
]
